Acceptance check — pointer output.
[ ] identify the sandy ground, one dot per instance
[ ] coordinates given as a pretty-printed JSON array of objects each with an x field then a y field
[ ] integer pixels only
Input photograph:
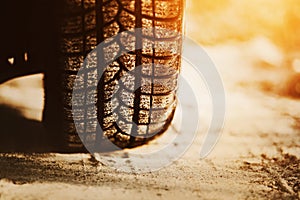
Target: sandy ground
[{"x": 257, "y": 156}]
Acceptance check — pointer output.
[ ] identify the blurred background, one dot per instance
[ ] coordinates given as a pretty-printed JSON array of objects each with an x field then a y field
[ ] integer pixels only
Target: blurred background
[
  {"x": 254, "y": 41},
  {"x": 219, "y": 21}
]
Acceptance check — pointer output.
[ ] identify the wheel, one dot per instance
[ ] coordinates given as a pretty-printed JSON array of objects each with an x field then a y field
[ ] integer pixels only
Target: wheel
[{"x": 136, "y": 96}]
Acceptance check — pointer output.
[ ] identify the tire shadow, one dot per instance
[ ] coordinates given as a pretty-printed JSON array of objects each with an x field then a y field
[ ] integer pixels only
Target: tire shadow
[
  {"x": 18, "y": 134},
  {"x": 26, "y": 154}
]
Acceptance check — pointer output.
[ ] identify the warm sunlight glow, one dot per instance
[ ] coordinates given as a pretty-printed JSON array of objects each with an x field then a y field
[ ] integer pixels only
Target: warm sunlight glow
[
  {"x": 262, "y": 37},
  {"x": 211, "y": 22},
  {"x": 296, "y": 65},
  {"x": 25, "y": 94}
]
